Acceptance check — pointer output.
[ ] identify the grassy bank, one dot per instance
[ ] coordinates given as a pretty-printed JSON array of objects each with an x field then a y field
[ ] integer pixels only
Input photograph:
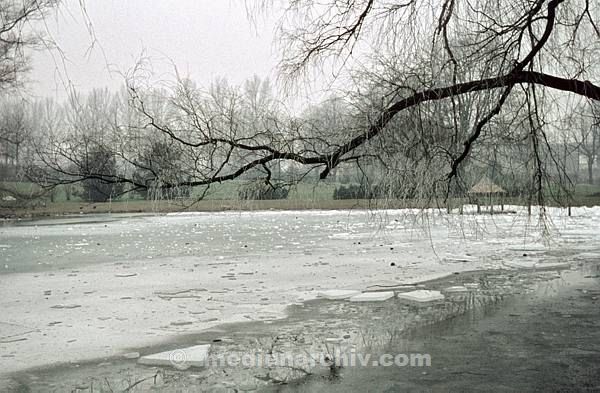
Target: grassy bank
[
  {"x": 224, "y": 197},
  {"x": 141, "y": 206}
]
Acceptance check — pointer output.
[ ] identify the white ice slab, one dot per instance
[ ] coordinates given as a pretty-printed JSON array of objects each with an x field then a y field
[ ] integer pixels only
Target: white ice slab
[
  {"x": 372, "y": 297},
  {"x": 124, "y": 275},
  {"x": 553, "y": 265},
  {"x": 183, "y": 358},
  {"x": 421, "y": 296},
  {"x": 521, "y": 264},
  {"x": 583, "y": 255},
  {"x": 459, "y": 258},
  {"x": 538, "y": 265},
  {"x": 336, "y": 294},
  {"x": 455, "y": 289}
]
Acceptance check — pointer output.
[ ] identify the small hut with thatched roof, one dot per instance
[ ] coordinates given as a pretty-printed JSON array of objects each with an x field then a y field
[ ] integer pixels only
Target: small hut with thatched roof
[{"x": 487, "y": 191}]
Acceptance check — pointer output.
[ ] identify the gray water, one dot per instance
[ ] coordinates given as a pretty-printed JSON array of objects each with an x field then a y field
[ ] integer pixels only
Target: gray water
[{"x": 543, "y": 337}]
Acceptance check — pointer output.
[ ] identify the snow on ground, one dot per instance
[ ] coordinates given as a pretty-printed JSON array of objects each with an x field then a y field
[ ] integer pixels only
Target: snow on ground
[{"x": 81, "y": 288}]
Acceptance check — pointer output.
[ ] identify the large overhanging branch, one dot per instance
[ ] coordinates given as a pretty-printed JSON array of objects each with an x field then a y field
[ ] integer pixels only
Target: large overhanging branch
[
  {"x": 340, "y": 154},
  {"x": 331, "y": 160},
  {"x": 583, "y": 88}
]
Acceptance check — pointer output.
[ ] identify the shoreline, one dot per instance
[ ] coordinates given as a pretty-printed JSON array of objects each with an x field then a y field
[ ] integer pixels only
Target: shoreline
[
  {"x": 63, "y": 209},
  {"x": 164, "y": 207}
]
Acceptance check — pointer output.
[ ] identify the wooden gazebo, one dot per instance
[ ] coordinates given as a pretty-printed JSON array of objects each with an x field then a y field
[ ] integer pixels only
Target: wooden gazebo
[{"x": 486, "y": 190}]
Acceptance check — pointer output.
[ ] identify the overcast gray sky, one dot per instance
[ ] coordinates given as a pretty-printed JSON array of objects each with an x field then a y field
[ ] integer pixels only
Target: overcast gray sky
[{"x": 204, "y": 38}]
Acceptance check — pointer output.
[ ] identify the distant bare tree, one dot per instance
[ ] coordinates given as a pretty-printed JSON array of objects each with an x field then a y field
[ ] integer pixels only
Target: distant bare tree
[
  {"x": 16, "y": 34},
  {"x": 585, "y": 131},
  {"x": 15, "y": 131}
]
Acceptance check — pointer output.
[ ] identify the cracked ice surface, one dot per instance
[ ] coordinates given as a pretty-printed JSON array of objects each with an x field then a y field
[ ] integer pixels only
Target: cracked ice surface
[{"x": 87, "y": 287}]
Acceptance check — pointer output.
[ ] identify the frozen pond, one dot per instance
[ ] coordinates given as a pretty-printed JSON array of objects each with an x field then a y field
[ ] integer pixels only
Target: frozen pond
[
  {"x": 522, "y": 330},
  {"x": 87, "y": 287}
]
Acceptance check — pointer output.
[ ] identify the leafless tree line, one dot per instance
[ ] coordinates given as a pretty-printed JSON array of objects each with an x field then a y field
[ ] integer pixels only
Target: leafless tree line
[{"x": 431, "y": 94}]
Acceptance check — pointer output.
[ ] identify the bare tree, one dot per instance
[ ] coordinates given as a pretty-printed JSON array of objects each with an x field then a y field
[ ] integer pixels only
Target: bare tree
[
  {"x": 15, "y": 131},
  {"x": 584, "y": 129},
  {"x": 16, "y": 34}
]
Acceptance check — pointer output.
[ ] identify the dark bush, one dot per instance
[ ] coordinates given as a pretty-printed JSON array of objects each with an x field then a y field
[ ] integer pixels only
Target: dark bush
[
  {"x": 353, "y": 191},
  {"x": 99, "y": 160},
  {"x": 262, "y": 191},
  {"x": 377, "y": 191}
]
